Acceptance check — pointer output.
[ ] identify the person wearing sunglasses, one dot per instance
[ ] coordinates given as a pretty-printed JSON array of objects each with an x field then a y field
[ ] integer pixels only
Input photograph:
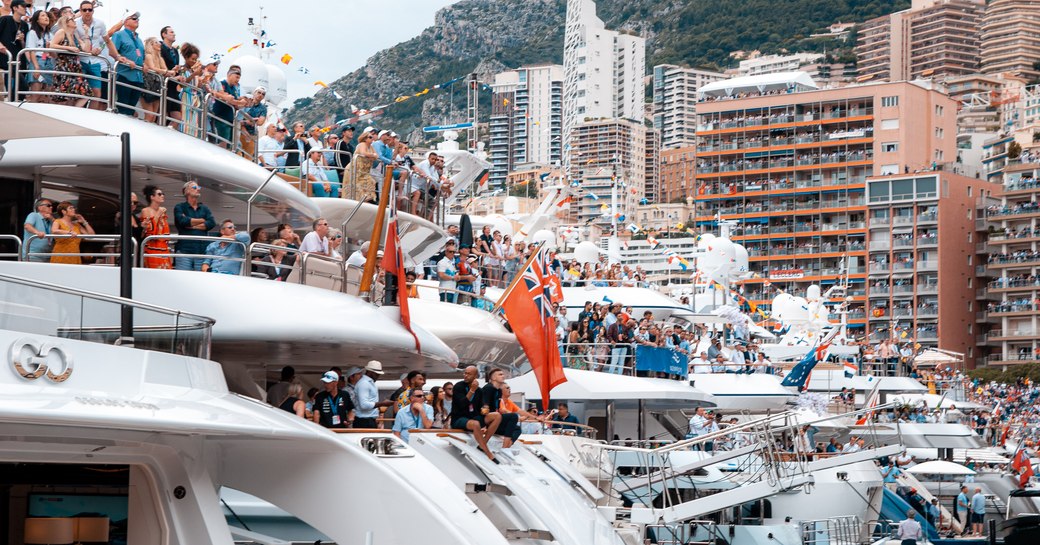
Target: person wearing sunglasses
[
  {"x": 38, "y": 224},
  {"x": 418, "y": 415},
  {"x": 225, "y": 257},
  {"x": 192, "y": 219},
  {"x": 155, "y": 222}
]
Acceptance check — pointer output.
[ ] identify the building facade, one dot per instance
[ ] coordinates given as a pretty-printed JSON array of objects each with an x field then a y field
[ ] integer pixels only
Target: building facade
[
  {"x": 676, "y": 174},
  {"x": 1010, "y": 42},
  {"x": 791, "y": 168},
  {"x": 1013, "y": 266},
  {"x": 526, "y": 123},
  {"x": 933, "y": 39},
  {"x": 609, "y": 161},
  {"x": 922, "y": 284},
  {"x": 675, "y": 102},
  {"x": 603, "y": 70}
]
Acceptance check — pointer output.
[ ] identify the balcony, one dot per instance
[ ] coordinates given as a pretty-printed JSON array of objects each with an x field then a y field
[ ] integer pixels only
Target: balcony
[
  {"x": 880, "y": 290},
  {"x": 927, "y": 265},
  {"x": 927, "y": 288},
  {"x": 928, "y": 335},
  {"x": 927, "y": 241},
  {"x": 903, "y": 243},
  {"x": 902, "y": 220},
  {"x": 1006, "y": 308},
  {"x": 879, "y": 222},
  {"x": 878, "y": 268},
  {"x": 928, "y": 311}
]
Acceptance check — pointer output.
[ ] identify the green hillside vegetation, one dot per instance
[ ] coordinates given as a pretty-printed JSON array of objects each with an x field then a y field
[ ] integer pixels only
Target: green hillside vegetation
[{"x": 490, "y": 35}]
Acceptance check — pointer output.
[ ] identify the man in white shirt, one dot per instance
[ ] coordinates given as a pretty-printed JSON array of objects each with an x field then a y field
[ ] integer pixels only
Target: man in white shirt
[
  {"x": 270, "y": 146},
  {"x": 358, "y": 258},
  {"x": 448, "y": 274},
  {"x": 89, "y": 29},
  {"x": 317, "y": 241},
  {"x": 909, "y": 530},
  {"x": 314, "y": 172},
  {"x": 700, "y": 364},
  {"x": 699, "y": 424}
]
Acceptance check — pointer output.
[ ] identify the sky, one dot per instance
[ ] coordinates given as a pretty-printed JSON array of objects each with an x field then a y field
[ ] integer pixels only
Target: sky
[{"x": 330, "y": 38}]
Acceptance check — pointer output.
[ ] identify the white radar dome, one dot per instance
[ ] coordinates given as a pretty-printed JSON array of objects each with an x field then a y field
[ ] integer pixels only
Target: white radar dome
[
  {"x": 254, "y": 73},
  {"x": 277, "y": 86}
]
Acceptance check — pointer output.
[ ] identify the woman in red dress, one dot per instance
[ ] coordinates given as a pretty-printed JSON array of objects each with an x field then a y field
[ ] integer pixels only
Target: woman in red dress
[{"x": 154, "y": 222}]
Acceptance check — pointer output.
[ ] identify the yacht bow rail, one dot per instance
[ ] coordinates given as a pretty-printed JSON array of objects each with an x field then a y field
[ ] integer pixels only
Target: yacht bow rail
[{"x": 36, "y": 307}]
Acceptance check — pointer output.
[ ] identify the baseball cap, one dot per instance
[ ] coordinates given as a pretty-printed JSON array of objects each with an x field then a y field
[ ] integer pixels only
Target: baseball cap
[
  {"x": 346, "y": 128},
  {"x": 16, "y": 3},
  {"x": 260, "y": 88},
  {"x": 393, "y": 134},
  {"x": 330, "y": 376},
  {"x": 383, "y": 133},
  {"x": 368, "y": 130}
]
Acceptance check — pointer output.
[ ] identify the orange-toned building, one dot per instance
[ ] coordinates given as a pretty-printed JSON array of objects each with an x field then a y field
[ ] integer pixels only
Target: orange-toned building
[
  {"x": 676, "y": 174},
  {"x": 790, "y": 164},
  {"x": 926, "y": 248}
]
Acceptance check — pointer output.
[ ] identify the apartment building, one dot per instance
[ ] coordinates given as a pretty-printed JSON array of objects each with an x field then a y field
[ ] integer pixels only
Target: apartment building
[
  {"x": 1013, "y": 266},
  {"x": 791, "y": 167},
  {"x": 772, "y": 64},
  {"x": 675, "y": 101},
  {"x": 603, "y": 70},
  {"x": 676, "y": 174},
  {"x": 608, "y": 153},
  {"x": 1010, "y": 42},
  {"x": 933, "y": 39},
  {"x": 526, "y": 123},
  {"x": 922, "y": 282}
]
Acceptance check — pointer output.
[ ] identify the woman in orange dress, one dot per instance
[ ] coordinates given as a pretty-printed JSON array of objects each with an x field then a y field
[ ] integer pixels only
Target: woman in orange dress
[
  {"x": 68, "y": 222},
  {"x": 155, "y": 222}
]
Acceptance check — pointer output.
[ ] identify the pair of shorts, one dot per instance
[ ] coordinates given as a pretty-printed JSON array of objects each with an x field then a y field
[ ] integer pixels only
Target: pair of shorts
[
  {"x": 977, "y": 518},
  {"x": 460, "y": 423},
  {"x": 45, "y": 63},
  {"x": 93, "y": 71}
]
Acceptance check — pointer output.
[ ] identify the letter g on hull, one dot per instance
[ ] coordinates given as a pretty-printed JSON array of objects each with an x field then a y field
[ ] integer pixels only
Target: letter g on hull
[{"x": 32, "y": 359}]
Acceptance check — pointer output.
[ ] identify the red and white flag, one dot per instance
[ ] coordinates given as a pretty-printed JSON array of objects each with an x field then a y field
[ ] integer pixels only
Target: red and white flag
[
  {"x": 528, "y": 309},
  {"x": 393, "y": 264}
]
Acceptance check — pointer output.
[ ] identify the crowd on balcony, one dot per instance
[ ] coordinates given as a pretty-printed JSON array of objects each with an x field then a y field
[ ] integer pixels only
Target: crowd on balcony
[
  {"x": 1021, "y": 304},
  {"x": 1015, "y": 281},
  {"x": 1019, "y": 256},
  {"x": 1030, "y": 207},
  {"x": 1024, "y": 231}
]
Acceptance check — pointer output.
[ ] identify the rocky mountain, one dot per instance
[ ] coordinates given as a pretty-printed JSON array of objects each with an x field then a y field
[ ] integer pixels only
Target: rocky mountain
[{"x": 487, "y": 36}]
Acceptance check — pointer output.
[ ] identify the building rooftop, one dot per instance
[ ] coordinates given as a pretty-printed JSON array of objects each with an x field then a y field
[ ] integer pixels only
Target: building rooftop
[{"x": 758, "y": 85}]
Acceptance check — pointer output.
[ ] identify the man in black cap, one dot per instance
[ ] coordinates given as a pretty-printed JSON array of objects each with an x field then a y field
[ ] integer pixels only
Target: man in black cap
[{"x": 344, "y": 149}]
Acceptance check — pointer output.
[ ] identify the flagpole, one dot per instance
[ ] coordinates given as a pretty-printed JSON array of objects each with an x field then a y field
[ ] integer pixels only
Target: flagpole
[
  {"x": 377, "y": 234},
  {"x": 516, "y": 279}
]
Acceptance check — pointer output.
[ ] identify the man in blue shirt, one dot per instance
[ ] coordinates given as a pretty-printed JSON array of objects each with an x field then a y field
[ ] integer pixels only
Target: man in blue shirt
[
  {"x": 416, "y": 416},
  {"x": 563, "y": 415},
  {"x": 960, "y": 511},
  {"x": 367, "y": 394},
  {"x": 226, "y": 99},
  {"x": 38, "y": 224},
  {"x": 128, "y": 51},
  {"x": 192, "y": 219},
  {"x": 225, "y": 255},
  {"x": 978, "y": 512}
]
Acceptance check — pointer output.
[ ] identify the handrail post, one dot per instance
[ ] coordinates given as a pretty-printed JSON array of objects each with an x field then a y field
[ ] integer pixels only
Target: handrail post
[
  {"x": 126, "y": 322},
  {"x": 249, "y": 203}
]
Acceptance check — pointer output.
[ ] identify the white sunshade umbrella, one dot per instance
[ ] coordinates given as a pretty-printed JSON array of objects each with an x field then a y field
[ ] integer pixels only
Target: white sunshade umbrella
[{"x": 939, "y": 467}]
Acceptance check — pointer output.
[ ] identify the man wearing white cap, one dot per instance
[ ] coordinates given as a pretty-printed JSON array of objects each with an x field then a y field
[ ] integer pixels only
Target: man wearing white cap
[
  {"x": 368, "y": 396},
  {"x": 333, "y": 408}
]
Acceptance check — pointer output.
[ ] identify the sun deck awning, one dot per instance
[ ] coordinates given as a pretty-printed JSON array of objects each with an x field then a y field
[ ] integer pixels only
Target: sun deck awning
[{"x": 624, "y": 390}]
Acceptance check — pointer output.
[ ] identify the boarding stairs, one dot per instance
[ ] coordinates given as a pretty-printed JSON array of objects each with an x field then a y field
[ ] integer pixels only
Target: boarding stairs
[{"x": 770, "y": 469}]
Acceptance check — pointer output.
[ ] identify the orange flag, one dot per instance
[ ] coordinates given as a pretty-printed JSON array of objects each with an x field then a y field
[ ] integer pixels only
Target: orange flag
[
  {"x": 393, "y": 263},
  {"x": 528, "y": 309}
]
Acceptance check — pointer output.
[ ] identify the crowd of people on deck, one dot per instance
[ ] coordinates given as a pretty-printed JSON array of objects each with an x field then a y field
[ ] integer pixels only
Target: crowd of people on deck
[
  {"x": 73, "y": 54},
  {"x": 351, "y": 399}
]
